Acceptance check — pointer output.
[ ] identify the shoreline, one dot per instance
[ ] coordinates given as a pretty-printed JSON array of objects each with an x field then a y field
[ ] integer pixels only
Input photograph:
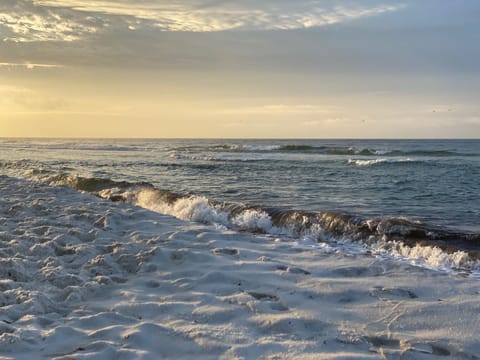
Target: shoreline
[{"x": 88, "y": 278}]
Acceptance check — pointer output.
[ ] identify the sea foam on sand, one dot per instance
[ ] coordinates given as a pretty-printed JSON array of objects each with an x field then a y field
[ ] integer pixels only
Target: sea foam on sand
[{"x": 82, "y": 277}]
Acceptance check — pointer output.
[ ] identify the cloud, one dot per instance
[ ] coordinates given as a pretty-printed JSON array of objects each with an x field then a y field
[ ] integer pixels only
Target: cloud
[
  {"x": 324, "y": 122},
  {"x": 202, "y": 16},
  {"x": 22, "y": 21},
  {"x": 21, "y": 99},
  {"x": 282, "y": 109},
  {"x": 9, "y": 89},
  {"x": 10, "y": 95},
  {"x": 29, "y": 66}
]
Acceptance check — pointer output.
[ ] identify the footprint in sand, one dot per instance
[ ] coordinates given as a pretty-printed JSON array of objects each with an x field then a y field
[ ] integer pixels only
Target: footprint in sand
[
  {"x": 382, "y": 344},
  {"x": 293, "y": 270},
  {"x": 262, "y": 296},
  {"x": 301, "y": 328},
  {"x": 392, "y": 293},
  {"x": 225, "y": 251},
  {"x": 266, "y": 303},
  {"x": 359, "y": 271}
]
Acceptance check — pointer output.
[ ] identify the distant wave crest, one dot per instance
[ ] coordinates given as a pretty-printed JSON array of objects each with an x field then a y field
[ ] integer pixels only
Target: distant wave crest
[
  {"x": 324, "y": 149},
  {"x": 359, "y": 162}
]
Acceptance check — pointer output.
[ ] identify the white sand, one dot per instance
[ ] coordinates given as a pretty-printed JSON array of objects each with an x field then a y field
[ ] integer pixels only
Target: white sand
[{"x": 82, "y": 277}]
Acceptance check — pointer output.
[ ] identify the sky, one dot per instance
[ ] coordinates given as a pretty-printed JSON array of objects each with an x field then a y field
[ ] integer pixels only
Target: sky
[{"x": 240, "y": 68}]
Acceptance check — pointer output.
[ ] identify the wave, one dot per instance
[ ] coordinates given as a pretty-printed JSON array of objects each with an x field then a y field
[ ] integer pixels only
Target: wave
[
  {"x": 358, "y": 162},
  {"x": 218, "y": 157},
  {"x": 370, "y": 152},
  {"x": 79, "y": 147},
  {"x": 340, "y": 149},
  {"x": 430, "y": 153},
  {"x": 261, "y": 148},
  {"x": 322, "y": 149},
  {"x": 301, "y": 148},
  {"x": 397, "y": 237}
]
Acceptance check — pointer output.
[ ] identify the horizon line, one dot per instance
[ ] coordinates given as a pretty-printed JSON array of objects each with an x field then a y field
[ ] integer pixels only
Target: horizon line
[{"x": 231, "y": 138}]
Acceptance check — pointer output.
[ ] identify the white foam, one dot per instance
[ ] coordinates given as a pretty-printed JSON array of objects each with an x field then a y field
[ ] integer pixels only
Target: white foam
[
  {"x": 194, "y": 208},
  {"x": 253, "y": 220},
  {"x": 358, "y": 162},
  {"x": 427, "y": 256},
  {"x": 261, "y": 147},
  {"x": 217, "y": 157},
  {"x": 199, "y": 209},
  {"x": 180, "y": 156}
]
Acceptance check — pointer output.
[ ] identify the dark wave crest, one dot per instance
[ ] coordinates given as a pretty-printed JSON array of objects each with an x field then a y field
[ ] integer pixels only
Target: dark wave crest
[
  {"x": 331, "y": 150},
  {"x": 260, "y": 219},
  {"x": 370, "y": 152},
  {"x": 93, "y": 185},
  {"x": 408, "y": 231}
]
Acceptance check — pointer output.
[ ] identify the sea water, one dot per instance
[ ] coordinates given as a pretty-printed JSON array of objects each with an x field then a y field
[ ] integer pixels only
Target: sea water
[{"x": 405, "y": 192}]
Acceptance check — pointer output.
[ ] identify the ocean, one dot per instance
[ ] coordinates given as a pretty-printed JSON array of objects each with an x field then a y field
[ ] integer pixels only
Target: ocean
[{"x": 385, "y": 197}]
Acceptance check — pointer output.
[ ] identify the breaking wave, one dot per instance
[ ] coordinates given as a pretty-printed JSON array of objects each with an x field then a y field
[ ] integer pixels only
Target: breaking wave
[
  {"x": 397, "y": 237},
  {"x": 436, "y": 150},
  {"x": 358, "y": 162},
  {"x": 324, "y": 149}
]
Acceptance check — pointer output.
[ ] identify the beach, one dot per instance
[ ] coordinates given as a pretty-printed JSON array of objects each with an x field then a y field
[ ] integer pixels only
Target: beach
[
  {"x": 86, "y": 278},
  {"x": 237, "y": 180}
]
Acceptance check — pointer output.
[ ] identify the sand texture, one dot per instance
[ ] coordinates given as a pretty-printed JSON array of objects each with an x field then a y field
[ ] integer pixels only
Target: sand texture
[{"x": 86, "y": 278}]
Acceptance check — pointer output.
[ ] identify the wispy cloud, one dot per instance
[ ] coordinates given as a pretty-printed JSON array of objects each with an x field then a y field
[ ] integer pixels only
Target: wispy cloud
[
  {"x": 22, "y": 21},
  {"x": 201, "y": 16},
  {"x": 324, "y": 122},
  {"x": 21, "y": 99},
  {"x": 10, "y": 89},
  {"x": 282, "y": 109},
  {"x": 71, "y": 20},
  {"x": 29, "y": 66}
]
